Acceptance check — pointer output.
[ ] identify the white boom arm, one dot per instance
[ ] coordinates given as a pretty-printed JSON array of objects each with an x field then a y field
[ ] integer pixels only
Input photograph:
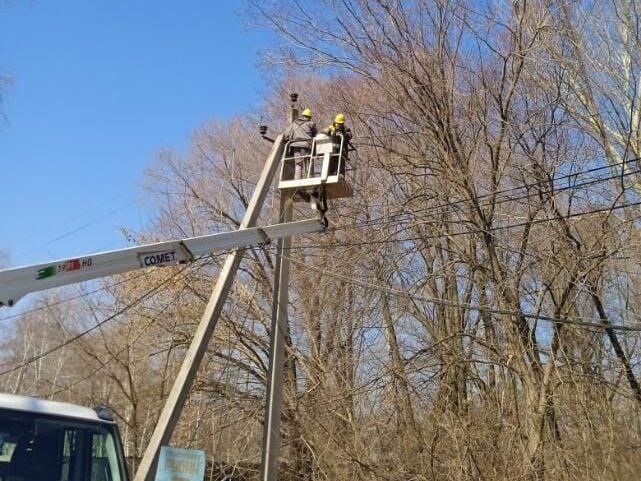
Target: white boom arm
[{"x": 17, "y": 282}]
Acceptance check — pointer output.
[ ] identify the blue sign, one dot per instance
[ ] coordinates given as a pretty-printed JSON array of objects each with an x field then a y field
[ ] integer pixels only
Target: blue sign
[{"x": 175, "y": 464}]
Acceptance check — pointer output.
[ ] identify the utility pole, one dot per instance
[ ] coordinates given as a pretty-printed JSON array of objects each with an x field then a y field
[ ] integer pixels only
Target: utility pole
[
  {"x": 17, "y": 282},
  {"x": 279, "y": 332},
  {"x": 182, "y": 385}
]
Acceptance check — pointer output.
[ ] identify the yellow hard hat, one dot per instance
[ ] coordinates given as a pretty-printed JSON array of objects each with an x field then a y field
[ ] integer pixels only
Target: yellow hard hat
[
  {"x": 307, "y": 113},
  {"x": 340, "y": 119}
]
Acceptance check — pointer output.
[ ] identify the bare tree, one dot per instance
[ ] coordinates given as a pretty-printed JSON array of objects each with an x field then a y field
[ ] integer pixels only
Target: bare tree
[{"x": 465, "y": 315}]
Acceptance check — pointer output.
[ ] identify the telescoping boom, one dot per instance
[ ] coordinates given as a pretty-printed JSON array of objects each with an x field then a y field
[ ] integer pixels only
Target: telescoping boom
[{"x": 20, "y": 281}]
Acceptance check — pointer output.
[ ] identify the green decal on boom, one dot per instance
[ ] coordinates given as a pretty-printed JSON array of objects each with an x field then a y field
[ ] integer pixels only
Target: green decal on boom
[{"x": 46, "y": 272}]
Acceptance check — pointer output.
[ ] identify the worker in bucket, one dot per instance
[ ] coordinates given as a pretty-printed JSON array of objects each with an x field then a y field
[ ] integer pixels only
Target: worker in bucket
[
  {"x": 300, "y": 134},
  {"x": 336, "y": 130}
]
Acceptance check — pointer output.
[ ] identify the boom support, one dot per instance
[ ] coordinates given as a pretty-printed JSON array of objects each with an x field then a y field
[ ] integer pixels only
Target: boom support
[{"x": 16, "y": 283}]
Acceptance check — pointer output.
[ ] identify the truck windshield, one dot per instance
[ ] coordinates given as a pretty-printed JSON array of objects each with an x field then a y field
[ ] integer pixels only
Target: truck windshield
[{"x": 36, "y": 447}]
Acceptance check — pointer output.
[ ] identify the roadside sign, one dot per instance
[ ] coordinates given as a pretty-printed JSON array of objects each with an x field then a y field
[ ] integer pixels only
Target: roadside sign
[{"x": 176, "y": 464}]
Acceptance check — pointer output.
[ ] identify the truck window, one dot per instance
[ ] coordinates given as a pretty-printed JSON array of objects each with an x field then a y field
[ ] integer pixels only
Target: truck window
[{"x": 36, "y": 447}]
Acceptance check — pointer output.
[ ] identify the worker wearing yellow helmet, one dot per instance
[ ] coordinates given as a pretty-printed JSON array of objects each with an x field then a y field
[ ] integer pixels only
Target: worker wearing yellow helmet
[
  {"x": 339, "y": 127},
  {"x": 299, "y": 135},
  {"x": 342, "y": 136}
]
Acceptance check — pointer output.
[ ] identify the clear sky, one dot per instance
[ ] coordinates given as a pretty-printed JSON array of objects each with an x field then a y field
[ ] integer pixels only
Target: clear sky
[{"x": 98, "y": 87}]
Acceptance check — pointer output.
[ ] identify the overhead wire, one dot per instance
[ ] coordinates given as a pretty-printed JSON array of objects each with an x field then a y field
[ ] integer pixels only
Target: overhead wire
[
  {"x": 89, "y": 209},
  {"x": 466, "y": 232},
  {"x": 99, "y": 368},
  {"x": 128, "y": 346},
  {"x": 442, "y": 207},
  {"x": 78, "y": 229},
  {"x": 101, "y": 323},
  {"x": 574, "y": 321},
  {"x": 439, "y": 208},
  {"x": 74, "y": 298}
]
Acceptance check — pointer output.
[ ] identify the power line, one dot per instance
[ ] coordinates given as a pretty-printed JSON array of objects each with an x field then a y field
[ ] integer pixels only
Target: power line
[
  {"x": 436, "y": 209},
  {"x": 99, "y": 368},
  {"x": 468, "y": 232},
  {"x": 92, "y": 208},
  {"x": 73, "y": 298},
  {"x": 79, "y": 228},
  {"x": 439, "y": 208},
  {"x": 102, "y": 365},
  {"x": 96, "y": 326},
  {"x": 574, "y": 321}
]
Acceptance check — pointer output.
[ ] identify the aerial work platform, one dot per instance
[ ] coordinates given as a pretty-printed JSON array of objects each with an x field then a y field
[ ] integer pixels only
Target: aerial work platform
[{"x": 324, "y": 172}]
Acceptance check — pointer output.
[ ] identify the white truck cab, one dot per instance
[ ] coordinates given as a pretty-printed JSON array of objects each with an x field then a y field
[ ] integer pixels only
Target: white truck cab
[{"x": 52, "y": 441}]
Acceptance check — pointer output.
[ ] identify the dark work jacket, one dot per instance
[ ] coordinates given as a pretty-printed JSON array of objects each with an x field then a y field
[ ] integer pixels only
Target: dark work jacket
[{"x": 301, "y": 132}]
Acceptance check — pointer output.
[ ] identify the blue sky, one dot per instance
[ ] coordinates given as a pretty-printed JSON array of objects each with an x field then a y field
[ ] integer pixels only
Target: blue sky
[{"x": 98, "y": 88}]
